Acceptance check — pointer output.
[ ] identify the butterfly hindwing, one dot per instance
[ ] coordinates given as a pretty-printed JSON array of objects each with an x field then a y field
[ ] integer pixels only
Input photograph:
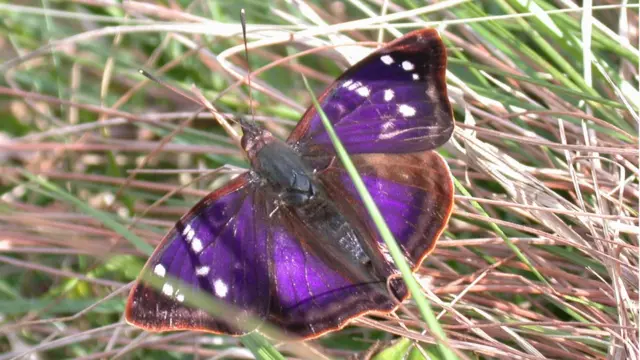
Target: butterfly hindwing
[
  {"x": 414, "y": 193},
  {"x": 218, "y": 248},
  {"x": 312, "y": 296},
  {"x": 393, "y": 101}
]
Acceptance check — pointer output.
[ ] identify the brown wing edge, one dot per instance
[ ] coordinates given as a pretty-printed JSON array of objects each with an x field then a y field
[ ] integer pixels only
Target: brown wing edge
[{"x": 447, "y": 214}]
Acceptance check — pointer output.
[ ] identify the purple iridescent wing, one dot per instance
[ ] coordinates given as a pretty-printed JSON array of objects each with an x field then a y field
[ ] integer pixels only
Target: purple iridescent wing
[
  {"x": 312, "y": 296},
  {"x": 218, "y": 248},
  {"x": 393, "y": 101},
  {"x": 414, "y": 193}
]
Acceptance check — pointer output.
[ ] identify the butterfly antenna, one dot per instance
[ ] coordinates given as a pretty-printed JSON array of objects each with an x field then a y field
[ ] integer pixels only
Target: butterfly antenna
[
  {"x": 243, "y": 22},
  {"x": 197, "y": 97},
  {"x": 169, "y": 86}
]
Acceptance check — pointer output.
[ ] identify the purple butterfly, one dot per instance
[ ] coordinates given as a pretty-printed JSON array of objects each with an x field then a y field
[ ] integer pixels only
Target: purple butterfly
[{"x": 289, "y": 241}]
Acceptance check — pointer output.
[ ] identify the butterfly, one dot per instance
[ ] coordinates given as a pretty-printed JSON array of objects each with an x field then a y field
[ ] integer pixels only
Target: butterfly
[{"x": 289, "y": 241}]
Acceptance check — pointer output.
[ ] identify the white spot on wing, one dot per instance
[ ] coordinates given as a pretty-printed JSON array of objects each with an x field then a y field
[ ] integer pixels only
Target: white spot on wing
[
  {"x": 180, "y": 297},
  {"x": 220, "y": 288},
  {"x": 167, "y": 289},
  {"x": 363, "y": 91},
  {"x": 388, "y": 95},
  {"x": 406, "y": 110},
  {"x": 347, "y": 83},
  {"x": 432, "y": 91},
  {"x": 415, "y": 76},
  {"x": 408, "y": 65},
  {"x": 196, "y": 245},
  {"x": 188, "y": 233},
  {"x": 387, "y": 59},
  {"x": 160, "y": 270},
  {"x": 202, "y": 270},
  {"x": 354, "y": 85}
]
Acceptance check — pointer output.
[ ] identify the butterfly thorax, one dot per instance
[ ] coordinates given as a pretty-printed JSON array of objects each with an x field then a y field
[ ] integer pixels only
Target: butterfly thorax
[{"x": 280, "y": 166}]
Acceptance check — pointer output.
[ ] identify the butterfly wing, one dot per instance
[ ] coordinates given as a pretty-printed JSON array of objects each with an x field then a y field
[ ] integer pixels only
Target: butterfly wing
[
  {"x": 414, "y": 193},
  {"x": 312, "y": 296},
  {"x": 393, "y": 101},
  {"x": 219, "y": 248}
]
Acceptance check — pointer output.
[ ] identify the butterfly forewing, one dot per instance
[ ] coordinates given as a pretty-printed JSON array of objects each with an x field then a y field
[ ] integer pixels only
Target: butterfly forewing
[
  {"x": 393, "y": 101},
  {"x": 220, "y": 249}
]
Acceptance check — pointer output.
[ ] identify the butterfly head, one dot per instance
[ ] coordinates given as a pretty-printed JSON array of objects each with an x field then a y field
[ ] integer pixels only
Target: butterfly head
[{"x": 254, "y": 137}]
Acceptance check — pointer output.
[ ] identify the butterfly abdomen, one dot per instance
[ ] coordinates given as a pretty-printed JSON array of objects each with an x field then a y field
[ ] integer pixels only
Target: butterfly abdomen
[{"x": 325, "y": 221}]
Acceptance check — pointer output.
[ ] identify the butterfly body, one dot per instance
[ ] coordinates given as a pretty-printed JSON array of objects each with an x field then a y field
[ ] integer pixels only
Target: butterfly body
[
  {"x": 292, "y": 187},
  {"x": 279, "y": 166},
  {"x": 289, "y": 242}
]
